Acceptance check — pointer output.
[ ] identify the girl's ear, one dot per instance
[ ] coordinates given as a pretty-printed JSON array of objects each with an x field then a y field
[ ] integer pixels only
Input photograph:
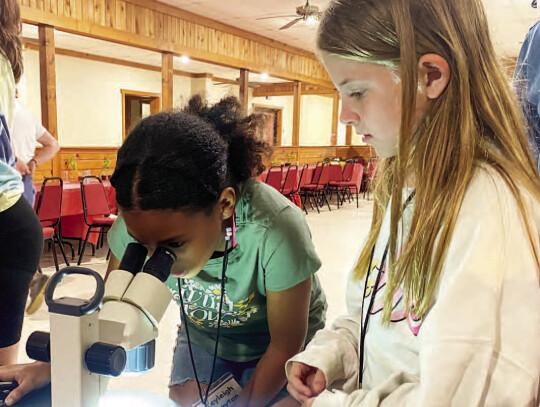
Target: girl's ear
[
  {"x": 227, "y": 201},
  {"x": 433, "y": 75}
]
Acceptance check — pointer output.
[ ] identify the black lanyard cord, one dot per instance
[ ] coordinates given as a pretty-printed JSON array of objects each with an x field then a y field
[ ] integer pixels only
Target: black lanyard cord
[
  {"x": 364, "y": 326},
  {"x": 183, "y": 316}
]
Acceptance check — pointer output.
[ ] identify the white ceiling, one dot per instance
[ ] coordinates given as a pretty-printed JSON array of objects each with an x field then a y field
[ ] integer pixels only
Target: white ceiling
[{"x": 509, "y": 19}]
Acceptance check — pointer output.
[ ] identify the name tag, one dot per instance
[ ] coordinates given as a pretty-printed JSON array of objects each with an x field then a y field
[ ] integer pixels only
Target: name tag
[{"x": 224, "y": 392}]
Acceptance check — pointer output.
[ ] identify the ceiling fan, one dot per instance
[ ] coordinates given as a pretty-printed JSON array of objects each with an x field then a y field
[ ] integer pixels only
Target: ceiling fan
[{"x": 308, "y": 13}]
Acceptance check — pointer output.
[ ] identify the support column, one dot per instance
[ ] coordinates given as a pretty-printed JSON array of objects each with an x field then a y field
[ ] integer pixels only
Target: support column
[
  {"x": 335, "y": 118},
  {"x": 348, "y": 136},
  {"x": 296, "y": 113},
  {"x": 244, "y": 89},
  {"x": 167, "y": 81},
  {"x": 47, "y": 76}
]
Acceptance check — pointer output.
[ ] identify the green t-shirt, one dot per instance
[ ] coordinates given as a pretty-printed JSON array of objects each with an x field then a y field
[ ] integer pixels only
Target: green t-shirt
[{"x": 274, "y": 252}]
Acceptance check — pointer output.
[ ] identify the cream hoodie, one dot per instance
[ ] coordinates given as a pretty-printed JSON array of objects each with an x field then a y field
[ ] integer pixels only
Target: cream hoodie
[{"x": 478, "y": 345}]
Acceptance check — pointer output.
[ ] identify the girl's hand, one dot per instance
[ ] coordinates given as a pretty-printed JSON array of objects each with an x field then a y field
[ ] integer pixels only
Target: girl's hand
[
  {"x": 305, "y": 382},
  {"x": 29, "y": 377}
]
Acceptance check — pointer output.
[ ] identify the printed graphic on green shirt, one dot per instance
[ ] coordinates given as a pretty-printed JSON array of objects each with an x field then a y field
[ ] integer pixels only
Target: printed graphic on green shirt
[{"x": 202, "y": 306}]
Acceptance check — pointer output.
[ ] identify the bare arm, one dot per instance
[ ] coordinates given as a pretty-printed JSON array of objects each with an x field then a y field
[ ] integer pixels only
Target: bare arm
[
  {"x": 50, "y": 148},
  {"x": 288, "y": 313}
]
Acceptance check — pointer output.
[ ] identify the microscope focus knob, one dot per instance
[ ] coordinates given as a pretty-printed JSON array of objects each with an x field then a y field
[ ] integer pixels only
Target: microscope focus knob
[
  {"x": 38, "y": 346},
  {"x": 105, "y": 359}
]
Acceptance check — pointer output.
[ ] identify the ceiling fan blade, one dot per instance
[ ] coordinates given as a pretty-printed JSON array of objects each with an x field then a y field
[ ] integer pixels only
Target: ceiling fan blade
[
  {"x": 293, "y": 22},
  {"x": 266, "y": 18}
]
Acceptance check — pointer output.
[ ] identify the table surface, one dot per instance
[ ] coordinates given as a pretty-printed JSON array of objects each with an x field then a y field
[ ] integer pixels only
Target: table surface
[{"x": 116, "y": 398}]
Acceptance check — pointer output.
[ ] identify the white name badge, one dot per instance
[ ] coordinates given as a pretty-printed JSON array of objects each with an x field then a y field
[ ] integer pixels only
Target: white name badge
[{"x": 224, "y": 392}]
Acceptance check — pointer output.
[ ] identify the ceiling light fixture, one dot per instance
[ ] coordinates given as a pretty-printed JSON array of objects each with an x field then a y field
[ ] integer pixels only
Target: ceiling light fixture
[
  {"x": 184, "y": 59},
  {"x": 264, "y": 76},
  {"x": 312, "y": 20}
]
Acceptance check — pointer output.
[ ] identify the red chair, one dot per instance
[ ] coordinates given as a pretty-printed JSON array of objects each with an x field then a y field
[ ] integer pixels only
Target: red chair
[
  {"x": 274, "y": 177},
  {"x": 347, "y": 171},
  {"x": 291, "y": 180},
  {"x": 335, "y": 175},
  {"x": 315, "y": 176},
  {"x": 351, "y": 186},
  {"x": 96, "y": 209},
  {"x": 48, "y": 210},
  {"x": 316, "y": 190}
]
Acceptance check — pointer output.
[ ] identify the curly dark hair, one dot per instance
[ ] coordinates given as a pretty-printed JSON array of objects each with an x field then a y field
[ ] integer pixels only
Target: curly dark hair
[
  {"x": 10, "y": 40},
  {"x": 184, "y": 159}
]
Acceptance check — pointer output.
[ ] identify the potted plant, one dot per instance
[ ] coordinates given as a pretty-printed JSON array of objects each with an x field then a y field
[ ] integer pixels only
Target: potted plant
[
  {"x": 290, "y": 158},
  {"x": 105, "y": 172},
  {"x": 72, "y": 164}
]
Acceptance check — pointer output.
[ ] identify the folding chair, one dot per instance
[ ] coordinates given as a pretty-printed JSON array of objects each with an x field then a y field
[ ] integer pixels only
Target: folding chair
[
  {"x": 95, "y": 209},
  {"x": 48, "y": 211}
]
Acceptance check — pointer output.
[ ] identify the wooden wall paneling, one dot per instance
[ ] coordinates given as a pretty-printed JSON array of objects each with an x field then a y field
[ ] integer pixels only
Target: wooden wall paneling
[
  {"x": 53, "y": 6},
  {"x": 88, "y": 160},
  {"x": 121, "y": 16},
  {"x": 59, "y": 7},
  {"x": 343, "y": 152},
  {"x": 110, "y": 13},
  {"x": 203, "y": 39},
  {"x": 151, "y": 24},
  {"x": 99, "y": 12},
  {"x": 366, "y": 152},
  {"x": 79, "y": 8},
  {"x": 296, "y": 113},
  {"x": 315, "y": 154},
  {"x": 47, "y": 70},
  {"x": 130, "y": 18},
  {"x": 88, "y": 10}
]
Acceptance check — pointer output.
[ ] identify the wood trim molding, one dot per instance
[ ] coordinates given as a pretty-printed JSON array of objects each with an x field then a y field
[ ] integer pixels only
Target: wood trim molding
[
  {"x": 32, "y": 44},
  {"x": 155, "y": 105},
  {"x": 203, "y": 76},
  {"x": 287, "y": 89}
]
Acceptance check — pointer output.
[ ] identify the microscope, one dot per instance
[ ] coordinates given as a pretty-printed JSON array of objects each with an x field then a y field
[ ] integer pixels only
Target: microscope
[{"x": 91, "y": 340}]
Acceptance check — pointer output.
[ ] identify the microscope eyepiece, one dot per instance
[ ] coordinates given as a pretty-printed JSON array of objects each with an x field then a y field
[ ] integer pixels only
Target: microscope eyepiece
[
  {"x": 133, "y": 258},
  {"x": 160, "y": 263}
]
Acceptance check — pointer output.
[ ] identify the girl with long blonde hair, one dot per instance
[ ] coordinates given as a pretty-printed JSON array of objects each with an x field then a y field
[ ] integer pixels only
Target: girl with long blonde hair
[{"x": 444, "y": 300}]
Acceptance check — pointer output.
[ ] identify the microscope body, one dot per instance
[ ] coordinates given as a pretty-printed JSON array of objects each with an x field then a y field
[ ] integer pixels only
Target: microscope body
[{"x": 89, "y": 339}]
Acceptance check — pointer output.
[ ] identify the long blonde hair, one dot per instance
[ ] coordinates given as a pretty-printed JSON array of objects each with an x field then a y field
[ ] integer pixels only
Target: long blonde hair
[{"x": 476, "y": 120}]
